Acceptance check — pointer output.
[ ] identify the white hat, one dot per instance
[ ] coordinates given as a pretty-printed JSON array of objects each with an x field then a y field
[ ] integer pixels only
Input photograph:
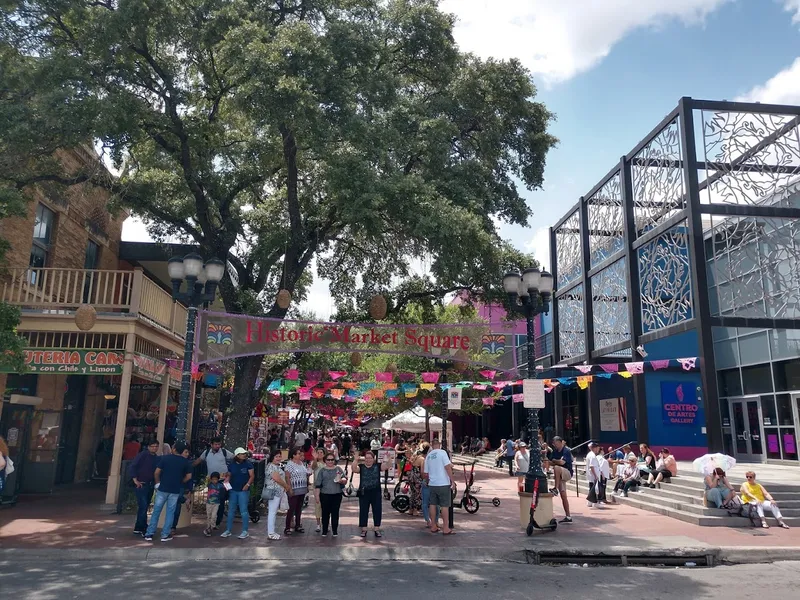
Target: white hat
[
  {"x": 630, "y": 456},
  {"x": 523, "y": 445},
  {"x": 240, "y": 450}
]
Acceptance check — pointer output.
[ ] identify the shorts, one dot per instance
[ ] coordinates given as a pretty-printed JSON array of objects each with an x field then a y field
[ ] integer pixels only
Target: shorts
[
  {"x": 565, "y": 477},
  {"x": 440, "y": 495}
]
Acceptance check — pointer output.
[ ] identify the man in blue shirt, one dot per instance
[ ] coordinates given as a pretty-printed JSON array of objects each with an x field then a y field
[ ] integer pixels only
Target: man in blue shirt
[
  {"x": 240, "y": 478},
  {"x": 561, "y": 459},
  {"x": 172, "y": 472},
  {"x": 142, "y": 471},
  {"x": 510, "y": 452}
]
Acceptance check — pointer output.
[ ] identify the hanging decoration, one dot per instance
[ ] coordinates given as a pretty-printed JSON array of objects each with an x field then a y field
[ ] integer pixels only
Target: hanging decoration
[
  {"x": 377, "y": 307},
  {"x": 284, "y": 299},
  {"x": 355, "y": 359},
  {"x": 85, "y": 317}
]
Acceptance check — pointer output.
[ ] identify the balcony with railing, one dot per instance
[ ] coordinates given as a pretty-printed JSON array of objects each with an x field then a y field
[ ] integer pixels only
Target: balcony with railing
[{"x": 62, "y": 291}]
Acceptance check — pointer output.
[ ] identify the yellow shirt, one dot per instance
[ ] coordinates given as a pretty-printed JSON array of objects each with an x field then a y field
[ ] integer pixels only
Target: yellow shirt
[{"x": 752, "y": 492}]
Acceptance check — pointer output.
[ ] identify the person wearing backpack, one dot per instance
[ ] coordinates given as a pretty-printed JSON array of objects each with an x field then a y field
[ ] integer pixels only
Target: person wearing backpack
[{"x": 217, "y": 458}]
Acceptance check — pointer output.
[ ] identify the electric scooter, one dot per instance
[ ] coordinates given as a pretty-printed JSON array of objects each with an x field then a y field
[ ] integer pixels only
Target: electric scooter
[{"x": 532, "y": 524}]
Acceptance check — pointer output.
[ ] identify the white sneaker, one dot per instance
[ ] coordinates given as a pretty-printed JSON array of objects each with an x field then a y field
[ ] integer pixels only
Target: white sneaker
[
  {"x": 590, "y": 504},
  {"x": 244, "y": 535},
  {"x": 225, "y": 533},
  {"x": 318, "y": 529},
  {"x": 274, "y": 536}
]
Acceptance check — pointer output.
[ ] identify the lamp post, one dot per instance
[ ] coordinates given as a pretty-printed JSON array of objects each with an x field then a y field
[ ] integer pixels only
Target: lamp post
[
  {"x": 529, "y": 294},
  {"x": 201, "y": 286}
]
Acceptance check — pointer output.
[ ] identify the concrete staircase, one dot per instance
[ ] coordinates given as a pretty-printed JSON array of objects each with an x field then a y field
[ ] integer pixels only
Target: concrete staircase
[{"x": 682, "y": 498}]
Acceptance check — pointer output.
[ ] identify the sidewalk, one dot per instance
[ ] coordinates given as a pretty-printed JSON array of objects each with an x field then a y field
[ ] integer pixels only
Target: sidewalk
[{"x": 74, "y": 525}]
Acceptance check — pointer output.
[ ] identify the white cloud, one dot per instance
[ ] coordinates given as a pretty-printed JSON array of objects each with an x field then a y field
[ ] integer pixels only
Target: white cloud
[
  {"x": 558, "y": 39},
  {"x": 793, "y": 6},
  {"x": 134, "y": 230},
  {"x": 783, "y": 88},
  {"x": 539, "y": 246}
]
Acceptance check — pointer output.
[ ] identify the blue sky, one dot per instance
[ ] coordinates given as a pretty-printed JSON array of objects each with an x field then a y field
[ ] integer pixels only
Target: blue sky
[{"x": 611, "y": 69}]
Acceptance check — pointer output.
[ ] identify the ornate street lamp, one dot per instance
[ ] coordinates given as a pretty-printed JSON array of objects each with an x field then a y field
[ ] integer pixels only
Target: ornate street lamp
[
  {"x": 529, "y": 294},
  {"x": 201, "y": 286}
]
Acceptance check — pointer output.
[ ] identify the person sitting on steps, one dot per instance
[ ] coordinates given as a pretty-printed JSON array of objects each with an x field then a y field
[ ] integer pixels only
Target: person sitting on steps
[
  {"x": 629, "y": 478},
  {"x": 719, "y": 492},
  {"x": 666, "y": 468},
  {"x": 756, "y": 494}
]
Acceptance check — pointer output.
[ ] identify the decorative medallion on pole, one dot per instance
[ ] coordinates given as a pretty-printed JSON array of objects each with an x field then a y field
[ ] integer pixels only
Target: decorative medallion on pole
[
  {"x": 377, "y": 307},
  {"x": 284, "y": 299},
  {"x": 85, "y": 317}
]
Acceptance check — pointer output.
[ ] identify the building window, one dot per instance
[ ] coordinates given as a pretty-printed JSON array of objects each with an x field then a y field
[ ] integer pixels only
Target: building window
[
  {"x": 42, "y": 238},
  {"x": 92, "y": 257}
]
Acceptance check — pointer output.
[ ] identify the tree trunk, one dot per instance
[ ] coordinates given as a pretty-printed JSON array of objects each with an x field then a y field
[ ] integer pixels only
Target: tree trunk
[{"x": 242, "y": 401}]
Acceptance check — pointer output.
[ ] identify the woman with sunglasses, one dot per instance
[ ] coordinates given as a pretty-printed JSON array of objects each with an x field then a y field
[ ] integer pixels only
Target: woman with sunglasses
[
  {"x": 329, "y": 481},
  {"x": 369, "y": 492},
  {"x": 756, "y": 494},
  {"x": 297, "y": 474}
]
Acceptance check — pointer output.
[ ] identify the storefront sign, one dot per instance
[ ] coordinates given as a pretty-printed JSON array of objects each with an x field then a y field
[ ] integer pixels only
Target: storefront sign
[
  {"x": 788, "y": 444},
  {"x": 74, "y": 362},
  {"x": 613, "y": 415},
  {"x": 532, "y": 393},
  {"x": 148, "y": 368},
  {"x": 772, "y": 444},
  {"x": 679, "y": 403},
  {"x": 454, "y": 398}
]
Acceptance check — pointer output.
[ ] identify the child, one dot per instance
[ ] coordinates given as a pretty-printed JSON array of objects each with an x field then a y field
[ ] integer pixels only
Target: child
[{"x": 212, "y": 502}]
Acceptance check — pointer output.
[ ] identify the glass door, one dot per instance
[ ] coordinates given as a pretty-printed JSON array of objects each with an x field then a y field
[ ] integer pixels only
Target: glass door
[{"x": 746, "y": 422}]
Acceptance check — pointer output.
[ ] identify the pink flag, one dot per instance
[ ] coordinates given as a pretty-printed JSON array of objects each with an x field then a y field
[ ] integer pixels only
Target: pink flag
[
  {"x": 584, "y": 368},
  {"x": 488, "y": 401},
  {"x": 517, "y": 397},
  {"x": 310, "y": 383},
  {"x": 292, "y": 374},
  {"x": 406, "y": 377},
  {"x": 427, "y": 402},
  {"x": 359, "y": 376},
  {"x": 613, "y": 368},
  {"x": 430, "y": 377},
  {"x": 659, "y": 364},
  {"x": 479, "y": 386},
  {"x": 384, "y": 376},
  {"x": 635, "y": 367},
  {"x": 305, "y": 393},
  {"x": 337, "y": 374},
  {"x": 688, "y": 363},
  {"x": 489, "y": 374}
]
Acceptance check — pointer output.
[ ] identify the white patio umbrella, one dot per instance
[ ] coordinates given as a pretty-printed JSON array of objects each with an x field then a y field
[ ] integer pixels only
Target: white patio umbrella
[{"x": 708, "y": 462}]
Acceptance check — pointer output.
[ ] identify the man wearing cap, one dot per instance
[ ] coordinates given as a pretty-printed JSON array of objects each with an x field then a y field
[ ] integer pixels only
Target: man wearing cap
[
  {"x": 561, "y": 460},
  {"x": 240, "y": 478},
  {"x": 172, "y": 472}
]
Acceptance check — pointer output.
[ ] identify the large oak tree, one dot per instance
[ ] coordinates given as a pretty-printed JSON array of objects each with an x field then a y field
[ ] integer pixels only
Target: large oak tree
[{"x": 277, "y": 132}]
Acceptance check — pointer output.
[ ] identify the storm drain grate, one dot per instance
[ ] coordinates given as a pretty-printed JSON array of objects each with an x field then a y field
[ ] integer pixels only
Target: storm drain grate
[{"x": 622, "y": 560}]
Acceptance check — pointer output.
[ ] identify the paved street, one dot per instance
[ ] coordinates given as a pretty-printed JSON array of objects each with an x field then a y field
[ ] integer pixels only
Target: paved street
[{"x": 403, "y": 580}]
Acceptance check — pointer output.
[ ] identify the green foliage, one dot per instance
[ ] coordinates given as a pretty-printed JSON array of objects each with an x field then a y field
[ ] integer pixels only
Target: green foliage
[
  {"x": 12, "y": 357},
  {"x": 353, "y": 132}
]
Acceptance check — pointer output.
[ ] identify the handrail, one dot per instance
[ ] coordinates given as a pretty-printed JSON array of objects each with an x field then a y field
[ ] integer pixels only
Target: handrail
[{"x": 631, "y": 443}]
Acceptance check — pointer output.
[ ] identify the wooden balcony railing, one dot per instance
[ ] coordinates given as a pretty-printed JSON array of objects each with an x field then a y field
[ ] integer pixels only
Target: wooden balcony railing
[{"x": 64, "y": 290}]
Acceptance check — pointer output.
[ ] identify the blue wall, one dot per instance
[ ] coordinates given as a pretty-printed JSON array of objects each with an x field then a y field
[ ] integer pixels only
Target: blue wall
[{"x": 667, "y": 434}]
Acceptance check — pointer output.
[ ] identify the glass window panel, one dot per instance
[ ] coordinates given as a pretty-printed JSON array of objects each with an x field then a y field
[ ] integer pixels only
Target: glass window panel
[
  {"x": 789, "y": 443},
  {"x": 773, "y": 443},
  {"x": 730, "y": 384},
  {"x": 768, "y": 413},
  {"x": 43, "y": 224},
  {"x": 785, "y": 343},
  {"x": 757, "y": 379},
  {"x": 785, "y": 416},
  {"x": 38, "y": 258},
  {"x": 92, "y": 255},
  {"x": 726, "y": 354},
  {"x": 754, "y": 348},
  {"x": 787, "y": 375},
  {"x": 723, "y": 333}
]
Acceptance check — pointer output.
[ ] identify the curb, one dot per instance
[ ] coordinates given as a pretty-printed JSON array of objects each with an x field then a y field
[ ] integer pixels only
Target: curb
[{"x": 355, "y": 553}]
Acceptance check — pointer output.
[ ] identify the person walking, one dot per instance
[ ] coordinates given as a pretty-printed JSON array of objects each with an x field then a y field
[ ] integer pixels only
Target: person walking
[
  {"x": 217, "y": 458},
  {"x": 329, "y": 482},
  {"x": 212, "y": 502},
  {"x": 562, "y": 462},
  {"x": 171, "y": 474},
  {"x": 298, "y": 475},
  {"x": 142, "y": 471},
  {"x": 275, "y": 485},
  {"x": 439, "y": 472},
  {"x": 593, "y": 474},
  {"x": 415, "y": 482},
  {"x": 522, "y": 461},
  {"x": 316, "y": 467},
  {"x": 369, "y": 492},
  {"x": 510, "y": 452},
  {"x": 240, "y": 478}
]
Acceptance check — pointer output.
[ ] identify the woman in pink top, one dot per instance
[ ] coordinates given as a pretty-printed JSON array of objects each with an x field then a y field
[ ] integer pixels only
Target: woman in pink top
[{"x": 666, "y": 467}]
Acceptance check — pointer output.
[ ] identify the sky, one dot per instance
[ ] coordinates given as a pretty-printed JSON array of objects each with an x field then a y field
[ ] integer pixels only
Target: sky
[{"x": 610, "y": 70}]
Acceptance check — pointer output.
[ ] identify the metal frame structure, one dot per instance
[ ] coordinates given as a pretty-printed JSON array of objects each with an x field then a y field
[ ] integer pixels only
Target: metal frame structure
[{"x": 652, "y": 215}]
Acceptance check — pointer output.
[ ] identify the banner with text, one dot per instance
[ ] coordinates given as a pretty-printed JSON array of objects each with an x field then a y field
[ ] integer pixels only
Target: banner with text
[
  {"x": 224, "y": 336},
  {"x": 74, "y": 362}
]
